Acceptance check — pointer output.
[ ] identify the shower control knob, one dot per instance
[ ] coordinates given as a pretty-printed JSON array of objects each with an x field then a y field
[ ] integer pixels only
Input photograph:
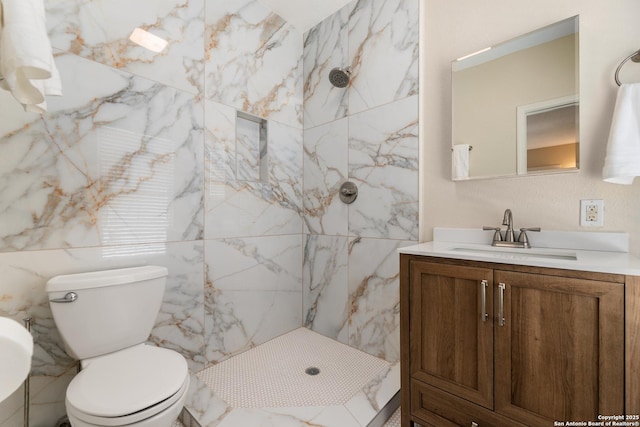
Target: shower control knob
[{"x": 348, "y": 192}]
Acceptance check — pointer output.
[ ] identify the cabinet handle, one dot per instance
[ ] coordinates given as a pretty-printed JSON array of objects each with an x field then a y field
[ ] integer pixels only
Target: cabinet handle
[
  {"x": 501, "y": 319},
  {"x": 474, "y": 424},
  {"x": 483, "y": 285}
]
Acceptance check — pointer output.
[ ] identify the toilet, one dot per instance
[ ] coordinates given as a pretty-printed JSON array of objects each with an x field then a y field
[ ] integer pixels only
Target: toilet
[{"x": 105, "y": 318}]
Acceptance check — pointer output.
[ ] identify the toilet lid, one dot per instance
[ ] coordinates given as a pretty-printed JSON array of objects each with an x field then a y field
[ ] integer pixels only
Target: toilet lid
[{"x": 128, "y": 381}]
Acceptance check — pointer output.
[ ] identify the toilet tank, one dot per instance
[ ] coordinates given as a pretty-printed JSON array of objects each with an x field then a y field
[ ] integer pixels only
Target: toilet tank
[{"x": 113, "y": 309}]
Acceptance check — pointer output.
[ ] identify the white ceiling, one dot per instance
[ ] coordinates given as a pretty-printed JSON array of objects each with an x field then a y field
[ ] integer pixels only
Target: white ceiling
[{"x": 304, "y": 14}]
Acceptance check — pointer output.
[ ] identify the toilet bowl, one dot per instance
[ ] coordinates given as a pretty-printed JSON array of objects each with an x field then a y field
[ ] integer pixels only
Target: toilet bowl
[
  {"x": 142, "y": 385},
  {"x": 104, "y": 319}
]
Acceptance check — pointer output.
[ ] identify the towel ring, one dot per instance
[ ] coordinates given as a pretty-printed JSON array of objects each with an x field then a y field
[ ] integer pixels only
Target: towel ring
[{"x": 635, "y": 57}]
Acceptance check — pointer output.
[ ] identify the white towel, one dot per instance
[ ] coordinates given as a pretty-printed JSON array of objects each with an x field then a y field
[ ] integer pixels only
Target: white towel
[
  {"x": 460, "y": 161},
  {"x": 27, "y": 68},
  {"x": 622, "y": 162}
]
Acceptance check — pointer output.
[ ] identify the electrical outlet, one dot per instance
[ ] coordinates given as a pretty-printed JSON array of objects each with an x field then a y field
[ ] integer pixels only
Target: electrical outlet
[{"x": 591, "y": 213}]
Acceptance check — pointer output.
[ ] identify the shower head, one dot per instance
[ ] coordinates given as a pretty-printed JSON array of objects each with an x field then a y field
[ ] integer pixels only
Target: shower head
[{"x": 339, "y": 77}]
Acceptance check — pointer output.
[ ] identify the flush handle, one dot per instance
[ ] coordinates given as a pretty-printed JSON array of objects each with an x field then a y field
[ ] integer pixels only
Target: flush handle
[
  {"x": 501, "y": 319},
  {"x": 483, "y": 291},
  {"x": 69, "y": 297}
]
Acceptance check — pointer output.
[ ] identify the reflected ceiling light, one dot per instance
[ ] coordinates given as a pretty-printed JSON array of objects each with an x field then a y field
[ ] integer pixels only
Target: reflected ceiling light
[
  {"x": 148, "y": 40},
  {"x": 473, "y": 54}
]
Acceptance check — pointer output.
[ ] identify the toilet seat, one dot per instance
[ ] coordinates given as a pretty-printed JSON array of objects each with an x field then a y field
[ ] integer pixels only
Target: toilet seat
[
  {"x": 141, "y": 418},
  {"x": 128, "y": 386}
]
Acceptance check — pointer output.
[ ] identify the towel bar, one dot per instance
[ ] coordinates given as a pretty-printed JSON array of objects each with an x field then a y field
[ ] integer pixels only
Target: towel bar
[{"x": 635, "y": 57}]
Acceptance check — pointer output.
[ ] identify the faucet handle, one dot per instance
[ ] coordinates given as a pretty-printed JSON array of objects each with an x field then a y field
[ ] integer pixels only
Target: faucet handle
[
  {"x": 525, "y": 229},
  {"x": 523, "y": 235},
  {"x": 497, "y": 237}
]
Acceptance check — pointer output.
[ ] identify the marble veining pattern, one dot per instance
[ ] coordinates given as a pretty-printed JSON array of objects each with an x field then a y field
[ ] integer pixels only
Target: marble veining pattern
[
  {"x": 99, "y": 30},
  {"x": 114, "y": 164},
  {"x": 179, "y": 323},
  {"x": 239, "y": 320},
  {"x": 248, "y": 157},
  {"x": 45, "y": 392},
  {"x": 250, "y": 209},
  {"x": 325, "y": 47},
  {"x": 138, "y": 164},
  {"x": 383, "y": 162},
  {"x": 378, "y": 41},
  {"x": 374, "y": 396},
  {"x": 383, "y": 52},
  {"x": 220, "y": 144},
  {"x": 253, "y": 61},
  {"x": 377, "y": 116},
  {"x": 380, "y": 384},
  {"x": 325, "y": 293},
  {"x": 374, "y": 305},
  {"x": 204, "y": 406},
  {"x": 239, "y": 207},
  {"x": 325, "y": 169},
  {"x": 252, "y": 292}
]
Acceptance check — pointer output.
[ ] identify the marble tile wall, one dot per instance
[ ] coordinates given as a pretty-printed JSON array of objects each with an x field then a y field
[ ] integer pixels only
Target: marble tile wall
[
  {"x": 253, "y": 221},
  {"x": 99, "y": 30},
  {"x": 383, "y": 52},
  {"x": 378, "y": 41},
  {"x": 179, "y": 325},
  {"x": 253, "y": 60},
  {"x": 366, "y": 133},
  {"x": 140, "y": 163},
  {"x": 252, "y": 292}
]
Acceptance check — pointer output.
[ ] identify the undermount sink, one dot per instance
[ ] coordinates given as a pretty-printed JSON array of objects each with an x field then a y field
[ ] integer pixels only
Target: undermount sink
[{"x": 496, "y": 252}]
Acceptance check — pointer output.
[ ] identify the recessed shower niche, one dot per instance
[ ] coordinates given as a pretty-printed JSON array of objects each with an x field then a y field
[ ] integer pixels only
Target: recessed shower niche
[{"x": 250, "y": 160}]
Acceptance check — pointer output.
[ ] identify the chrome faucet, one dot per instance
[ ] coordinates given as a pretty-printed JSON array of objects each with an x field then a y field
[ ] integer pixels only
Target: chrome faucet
[{"x": 509, "y": 239}]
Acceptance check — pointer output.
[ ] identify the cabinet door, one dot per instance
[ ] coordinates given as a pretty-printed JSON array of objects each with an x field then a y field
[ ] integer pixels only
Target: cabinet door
[
  {"x": 559, "y": 356},
  {"x": 451, "y": 338},
  {"x": 632, "y": 344}
]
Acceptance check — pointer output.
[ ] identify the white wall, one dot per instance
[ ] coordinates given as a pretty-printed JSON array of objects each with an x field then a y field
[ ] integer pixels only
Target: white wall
[{"x": 608, "y": 33}]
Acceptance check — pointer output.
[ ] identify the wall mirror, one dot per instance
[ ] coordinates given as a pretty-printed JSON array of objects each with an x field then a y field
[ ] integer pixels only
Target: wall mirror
[{"x": 516, "y": 106}]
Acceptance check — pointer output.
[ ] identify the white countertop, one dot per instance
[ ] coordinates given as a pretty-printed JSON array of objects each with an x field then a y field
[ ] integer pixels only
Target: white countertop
[{"x": 576, "y": 252}]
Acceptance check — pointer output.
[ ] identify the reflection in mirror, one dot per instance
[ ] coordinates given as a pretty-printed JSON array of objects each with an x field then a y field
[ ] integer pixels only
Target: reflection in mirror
[
  {"x": 517, "y": 104},
  {"x": 548, "y": 136}
]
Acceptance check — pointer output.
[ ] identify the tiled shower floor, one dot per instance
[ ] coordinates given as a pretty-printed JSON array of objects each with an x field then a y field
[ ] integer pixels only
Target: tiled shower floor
[{"x": 268, "y": 386}]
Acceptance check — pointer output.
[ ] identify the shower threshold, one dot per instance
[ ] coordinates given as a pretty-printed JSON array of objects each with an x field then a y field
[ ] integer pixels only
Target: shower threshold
[{"x": 298, "y": 379}]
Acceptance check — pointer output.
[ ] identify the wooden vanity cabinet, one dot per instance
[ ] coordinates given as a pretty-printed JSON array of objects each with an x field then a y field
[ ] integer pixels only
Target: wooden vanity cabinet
[{"x": 492, "y": 344}]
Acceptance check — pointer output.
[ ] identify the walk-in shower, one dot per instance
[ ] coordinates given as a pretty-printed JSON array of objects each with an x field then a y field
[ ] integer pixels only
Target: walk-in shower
[{"x": 297, "y": 379}]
